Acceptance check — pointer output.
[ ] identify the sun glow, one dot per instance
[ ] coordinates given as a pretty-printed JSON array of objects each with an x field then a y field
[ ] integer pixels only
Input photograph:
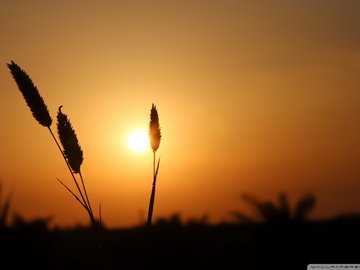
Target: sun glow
[{"x": 138, "y": 141}]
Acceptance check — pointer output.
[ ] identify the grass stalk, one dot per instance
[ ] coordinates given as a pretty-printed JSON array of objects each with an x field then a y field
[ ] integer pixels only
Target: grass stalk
[
  {"x": 152, "y": 197},
  {"x": 75, "y": 196},
  {"x": 87, "y": 199},
  {"x": 70, "y": 150},
  {"x": 82, "y": 201},
  {"x": 155, "y": 138}
]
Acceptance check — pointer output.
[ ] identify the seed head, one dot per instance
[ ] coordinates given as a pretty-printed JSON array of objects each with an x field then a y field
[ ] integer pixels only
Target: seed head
[
  {"x": 154, "y": 131},
  {"x": 31, "y": 95},
  {"x": 69, "y": 141}
]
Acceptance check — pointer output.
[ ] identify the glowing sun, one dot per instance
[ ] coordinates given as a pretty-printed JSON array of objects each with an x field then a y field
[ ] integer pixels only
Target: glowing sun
[{"x": 138, "y": 140}]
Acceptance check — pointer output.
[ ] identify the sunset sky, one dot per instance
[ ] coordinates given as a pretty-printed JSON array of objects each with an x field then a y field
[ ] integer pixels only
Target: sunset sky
[{"x": 256, "y": 97}]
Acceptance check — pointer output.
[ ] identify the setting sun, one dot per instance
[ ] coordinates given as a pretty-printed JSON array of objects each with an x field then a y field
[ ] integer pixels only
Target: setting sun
[{"x": 138, "y": 141}]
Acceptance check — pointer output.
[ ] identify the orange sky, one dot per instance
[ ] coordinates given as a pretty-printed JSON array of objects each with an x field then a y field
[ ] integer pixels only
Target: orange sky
[{"x": 257, "y": 97}]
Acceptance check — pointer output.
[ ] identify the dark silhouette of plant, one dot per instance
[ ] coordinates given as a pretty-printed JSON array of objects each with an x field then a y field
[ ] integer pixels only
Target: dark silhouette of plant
[
  {"x": 4, "y": 208},
  {"x": 174, "y": 221},
  {"x": 304, "y": 206},
  {"x": 155, "y": 137},
  {"x": 74, "y": 156},
  {"x": 31, "y": 95},
  {"x": 69, "y": 141},
  {"x": 71, "y": 151},
  {"x": 278, "y": 212},
  {"x": 37, "y": 224}
]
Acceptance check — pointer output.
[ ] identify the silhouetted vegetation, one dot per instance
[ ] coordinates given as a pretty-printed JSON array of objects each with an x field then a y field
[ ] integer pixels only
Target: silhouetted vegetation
[
  {"x": 276, "y": 212},
  {"x": 4, "y": 207},
  {"x": 70, "y": 150},
  {"x": 171, "y": 243},
  {"x": 155, "y": 138},
  {"x": 277, "y": 236}
]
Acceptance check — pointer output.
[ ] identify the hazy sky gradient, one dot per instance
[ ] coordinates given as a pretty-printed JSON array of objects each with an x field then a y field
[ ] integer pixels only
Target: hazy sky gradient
[{"x": 253, "y": 96}]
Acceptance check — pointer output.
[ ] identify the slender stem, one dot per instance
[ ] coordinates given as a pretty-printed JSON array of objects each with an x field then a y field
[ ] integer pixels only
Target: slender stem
[
  {"x": 152, "y": 197},
  {"x": 0, "y": 193},
  {"x": 151, "y": 206},
  {"x": 100, "y": 218},
  {"x": 87, "y": 198},
  {"x": 72, "y": 174},
  {"x": 76, "y": 197},
  {"x": 84, "y": 203},
  {"x": 154, "y": 167}
]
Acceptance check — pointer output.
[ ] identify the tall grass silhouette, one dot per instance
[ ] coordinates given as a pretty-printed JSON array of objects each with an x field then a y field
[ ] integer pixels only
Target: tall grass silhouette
[
  {"x": 155, "y": 138},
  {"x": 70, "y": 150}
]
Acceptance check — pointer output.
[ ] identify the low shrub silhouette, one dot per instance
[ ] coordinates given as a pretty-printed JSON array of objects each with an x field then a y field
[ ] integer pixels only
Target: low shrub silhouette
[
  {"x": 276, "y": 212},
  {"x": 4, "y": 208}
]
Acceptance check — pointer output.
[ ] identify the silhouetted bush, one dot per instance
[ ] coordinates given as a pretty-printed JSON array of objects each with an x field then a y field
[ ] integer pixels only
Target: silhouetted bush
[{"x": 276, "y": 212}]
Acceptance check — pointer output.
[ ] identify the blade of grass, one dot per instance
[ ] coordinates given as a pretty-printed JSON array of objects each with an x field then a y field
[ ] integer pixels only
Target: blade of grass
[
  {"x": 76, "y": 197},
  {"x": 87, "y": 198},
  {"x": 83, "y": 202}
]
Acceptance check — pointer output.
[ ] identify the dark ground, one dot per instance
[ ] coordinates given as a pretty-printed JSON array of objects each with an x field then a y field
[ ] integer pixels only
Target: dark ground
[{"x": 171, "y": 244}]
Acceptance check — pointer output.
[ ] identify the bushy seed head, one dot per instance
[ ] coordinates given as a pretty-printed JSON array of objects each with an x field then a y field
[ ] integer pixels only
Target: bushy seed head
[
  {"x": 154, "y": 129},
  {"x": 31, "y": 95},
  {"x": 69, "y": 141}
]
